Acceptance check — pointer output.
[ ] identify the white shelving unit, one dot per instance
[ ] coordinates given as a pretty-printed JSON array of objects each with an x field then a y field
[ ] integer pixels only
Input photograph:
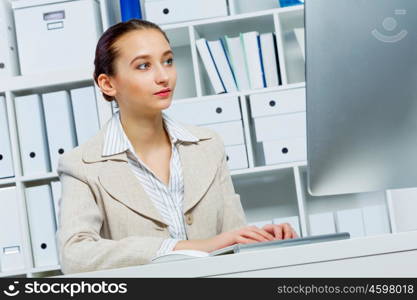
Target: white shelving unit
[{"x": 267, "y": 192}]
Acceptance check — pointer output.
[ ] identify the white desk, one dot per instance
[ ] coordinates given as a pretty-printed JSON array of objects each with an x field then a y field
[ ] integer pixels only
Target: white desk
[{"x": 392, "y": 255}]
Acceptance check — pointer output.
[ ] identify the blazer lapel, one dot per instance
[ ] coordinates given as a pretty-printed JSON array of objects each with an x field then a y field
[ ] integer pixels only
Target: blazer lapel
[
  {"x": 198, "y": 171},
  {"x": 121, "y": 183},
  {"x": 118, "y": 179}
]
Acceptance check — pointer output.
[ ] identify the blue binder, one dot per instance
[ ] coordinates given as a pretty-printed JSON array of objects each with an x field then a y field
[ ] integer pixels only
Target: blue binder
[
  {"x": 284, "y": 3},
  {"x": 130, "y": 9}
]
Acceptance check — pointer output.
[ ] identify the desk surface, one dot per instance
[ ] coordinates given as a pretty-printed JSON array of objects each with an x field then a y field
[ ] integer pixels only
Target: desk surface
[{"x": 390, "y": 255}]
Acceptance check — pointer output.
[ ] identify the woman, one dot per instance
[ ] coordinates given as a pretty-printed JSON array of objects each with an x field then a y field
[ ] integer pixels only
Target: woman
[{"x": 145, "y": 184}]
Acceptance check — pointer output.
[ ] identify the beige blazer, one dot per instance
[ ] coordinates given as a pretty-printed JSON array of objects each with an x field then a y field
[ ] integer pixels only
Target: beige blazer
[{"x": 108, "y": 221}]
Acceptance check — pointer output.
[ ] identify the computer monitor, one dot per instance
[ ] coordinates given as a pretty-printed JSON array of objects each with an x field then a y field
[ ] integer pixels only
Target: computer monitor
[{"x": 361, "y": 86}]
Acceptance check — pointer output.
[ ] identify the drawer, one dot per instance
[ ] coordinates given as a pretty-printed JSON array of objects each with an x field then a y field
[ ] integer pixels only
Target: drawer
[
  {"x": 284, "y": 102},
  {"x": 236, "y": 157},
  {"x": 283, "y": 151},
  {"x": 206, "y": 111},
  {"x": 280, "y": 127},
  {"x": 170, "y": 11},
  {"x": 230, "y": 132}
]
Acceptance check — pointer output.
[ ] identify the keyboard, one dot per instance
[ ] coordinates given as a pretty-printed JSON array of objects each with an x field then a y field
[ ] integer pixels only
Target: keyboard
[{"x": 281, "y": 243}]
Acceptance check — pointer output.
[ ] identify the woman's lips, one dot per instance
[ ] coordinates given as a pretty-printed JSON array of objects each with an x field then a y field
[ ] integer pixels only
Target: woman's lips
[{"x": 163, "y": 94}]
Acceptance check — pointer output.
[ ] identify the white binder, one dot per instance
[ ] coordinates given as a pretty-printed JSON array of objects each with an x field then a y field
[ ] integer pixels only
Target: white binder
[
  {"x": 210, "y": 66},
  {"x": 375, "y": 219},
  {"x": 269, "y": 59},
  {"x": 56, "y": 195},
  {"x": 11, "y": 254},
  {"x": 322, "y": 223},
  {"x": 85, "y": 113},
  {"x": 350, "y": 220},
  {"x": 42, "y": 225},
  {"x": 32, "y": 135},
  {"x": 253, "y": 59},
  {"x": 59, "y": 125},
  {"x": 223, "y": 65},
  {"x": 6, "y": 160}
]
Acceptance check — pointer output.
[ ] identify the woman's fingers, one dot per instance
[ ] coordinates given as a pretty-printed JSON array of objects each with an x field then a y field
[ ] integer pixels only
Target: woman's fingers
[
  {"x": 253, "y": 235},
  {"x": 242, "y": 240},
  {"x": 287, "y": 231},
  {"x": 262, "y": 232}
]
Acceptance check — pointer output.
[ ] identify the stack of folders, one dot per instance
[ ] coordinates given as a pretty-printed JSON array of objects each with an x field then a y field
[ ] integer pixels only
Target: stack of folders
[
  {"x": 53, "y": 123},
  {"x": 248, "y": 61},
  {"x": 359, "y": 222}
]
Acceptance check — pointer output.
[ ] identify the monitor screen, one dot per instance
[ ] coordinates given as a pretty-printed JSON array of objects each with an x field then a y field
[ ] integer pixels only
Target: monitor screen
[{"x": 361, "y": 89}]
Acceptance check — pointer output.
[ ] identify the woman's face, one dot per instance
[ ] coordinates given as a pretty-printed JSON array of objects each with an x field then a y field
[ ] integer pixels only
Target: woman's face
[{"x": 144, "y": 66}]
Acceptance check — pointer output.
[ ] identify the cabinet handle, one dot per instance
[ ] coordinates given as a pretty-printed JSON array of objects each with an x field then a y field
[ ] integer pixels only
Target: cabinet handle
[
  {"x": 284, "y": 150},
  {"x": 272, "y": 103},
  {"x": 219, "y": 110}
]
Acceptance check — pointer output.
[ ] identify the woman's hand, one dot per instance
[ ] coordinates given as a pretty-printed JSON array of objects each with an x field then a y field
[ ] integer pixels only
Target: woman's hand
[
  {"x": 281, "y": 232},
  {"x": 244, "y": 235},
  {"x": 247, "y": 235}
]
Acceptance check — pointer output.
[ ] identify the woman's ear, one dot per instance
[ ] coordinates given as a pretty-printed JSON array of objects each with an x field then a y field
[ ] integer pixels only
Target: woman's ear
[{"x": 106, "y": 86}]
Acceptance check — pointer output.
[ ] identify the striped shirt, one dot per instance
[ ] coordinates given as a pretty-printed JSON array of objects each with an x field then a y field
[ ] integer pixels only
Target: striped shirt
[{"x": 168, "y": 199}]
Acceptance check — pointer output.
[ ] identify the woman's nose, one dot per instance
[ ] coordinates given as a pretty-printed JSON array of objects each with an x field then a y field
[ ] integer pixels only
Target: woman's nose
[{"x": 161, "y": 75}]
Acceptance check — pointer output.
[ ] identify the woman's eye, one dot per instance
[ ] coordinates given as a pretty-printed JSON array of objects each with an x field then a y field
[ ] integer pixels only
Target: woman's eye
[
  {"x": 142, "y": 66},
  {"x": 170, "y": 61}
]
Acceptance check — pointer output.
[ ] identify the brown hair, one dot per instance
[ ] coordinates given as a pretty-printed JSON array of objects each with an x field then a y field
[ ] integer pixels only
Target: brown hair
[{"x": 106, "y": 53}]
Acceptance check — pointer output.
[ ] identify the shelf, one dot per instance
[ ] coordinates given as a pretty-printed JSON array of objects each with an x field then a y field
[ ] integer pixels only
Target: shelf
[
  {"x": 45, "y": 269},
  {"x": 13, "y": 273},
  {"x": 245, "y": 92},
  {"x": 265, "y": 169},
  {"x": 7, "y": 181},
  {"x": 30, "y": 83},
  {"x": 29, "y": 178}
]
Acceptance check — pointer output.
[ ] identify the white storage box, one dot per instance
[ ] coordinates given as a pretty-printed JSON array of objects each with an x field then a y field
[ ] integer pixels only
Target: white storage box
[
  {"x": 280, "y": 127},
  {"x": 282, "y": 151},
  {"x": 58, "y": 36},
  {"x": 236, "y": 157},
  {"x": 230, "y": 132},
  {"x": 288, "y": 101},
  {"x": 173, "y": 11},
  {"x": 205, "y": 111},
  {"x": 8, "y": 48}
]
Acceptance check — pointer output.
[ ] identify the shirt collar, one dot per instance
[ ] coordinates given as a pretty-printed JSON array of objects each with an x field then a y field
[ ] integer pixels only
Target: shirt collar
[{"x": 116, "y": 140}]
